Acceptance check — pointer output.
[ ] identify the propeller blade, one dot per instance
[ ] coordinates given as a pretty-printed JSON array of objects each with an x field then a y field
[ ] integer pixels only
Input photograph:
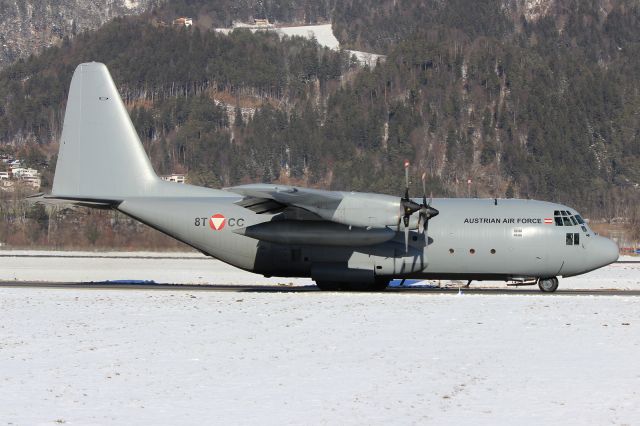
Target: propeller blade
[
  {"x": 424, "y": 188},
  {"x": 406, "y": 179},
  {"x": 431, "y": 212},
  {"x": 406, "y": 239}
]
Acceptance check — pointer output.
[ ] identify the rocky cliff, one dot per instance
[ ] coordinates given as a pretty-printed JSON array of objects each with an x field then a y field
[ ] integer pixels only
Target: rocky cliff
[{"x": 27, "y": 26}]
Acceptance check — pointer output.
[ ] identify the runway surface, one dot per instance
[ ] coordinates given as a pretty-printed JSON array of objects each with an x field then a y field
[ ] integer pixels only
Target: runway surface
[{"x": 304, "y": 289}]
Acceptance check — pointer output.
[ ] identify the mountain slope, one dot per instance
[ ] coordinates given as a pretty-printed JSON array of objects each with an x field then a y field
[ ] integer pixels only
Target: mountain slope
[
  {"x": 28, "y": 26},
  {"x": 524, "y": 98}
]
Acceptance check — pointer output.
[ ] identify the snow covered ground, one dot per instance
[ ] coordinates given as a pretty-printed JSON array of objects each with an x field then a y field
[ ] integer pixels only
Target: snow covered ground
[
  {"x": 195, "y": 268},
  {"x": 101, "y": 356},
  {"x": 174, "y": 268},
  {"x": 322, "y": 33}
]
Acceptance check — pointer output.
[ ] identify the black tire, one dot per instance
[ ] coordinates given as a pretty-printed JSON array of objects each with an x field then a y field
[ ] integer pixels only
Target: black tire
[
  {"x": 356, "y": 286},
  {"x": 328, "y": 285},
  {"x": 380, "y": 284},
  {"x": 548, "y": 285}
]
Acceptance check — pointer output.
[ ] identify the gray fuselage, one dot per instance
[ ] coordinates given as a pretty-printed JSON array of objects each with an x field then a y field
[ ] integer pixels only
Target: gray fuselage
[{"x": 471, "y": 239}]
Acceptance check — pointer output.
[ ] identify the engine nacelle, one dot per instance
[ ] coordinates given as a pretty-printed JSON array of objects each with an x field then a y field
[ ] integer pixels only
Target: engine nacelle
[
  {"x": 365, "y": 210},
  {"x": 316, "y": 233}
]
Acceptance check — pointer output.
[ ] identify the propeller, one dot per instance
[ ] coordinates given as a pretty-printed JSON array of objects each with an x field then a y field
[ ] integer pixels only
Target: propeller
[
  {"x": 426, "y": 211},
  {"x": 409, "y": 207}
]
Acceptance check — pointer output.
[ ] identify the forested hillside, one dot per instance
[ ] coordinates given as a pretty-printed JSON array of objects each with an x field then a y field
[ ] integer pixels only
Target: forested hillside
[{"x": 529, "y": 99}]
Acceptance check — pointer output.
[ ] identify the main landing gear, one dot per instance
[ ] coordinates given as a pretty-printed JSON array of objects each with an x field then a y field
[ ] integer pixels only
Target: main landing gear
[
  {"x": 378, "y": 285},
  {"x": 548, "y": 285}
]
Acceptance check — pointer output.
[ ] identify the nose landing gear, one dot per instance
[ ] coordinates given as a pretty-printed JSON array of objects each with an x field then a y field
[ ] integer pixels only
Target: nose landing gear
[{"x": 548, "y": 285}]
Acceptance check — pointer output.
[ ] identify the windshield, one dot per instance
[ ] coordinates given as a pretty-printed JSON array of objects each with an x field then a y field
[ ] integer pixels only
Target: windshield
[{"x": 567, "y": 218}]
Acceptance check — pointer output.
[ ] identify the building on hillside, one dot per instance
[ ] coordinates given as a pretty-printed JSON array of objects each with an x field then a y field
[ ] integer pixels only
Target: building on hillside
[
  {"x": 28, "y": 176},
  {"x": 174, "y": 178},
  {"x": 262, "y": 22},
  {"x": 32, "y": 181},
  {"x": 255, "y": 24},
  {"x": 183, "y": 22},
  {"x": 22, "y": 172}
]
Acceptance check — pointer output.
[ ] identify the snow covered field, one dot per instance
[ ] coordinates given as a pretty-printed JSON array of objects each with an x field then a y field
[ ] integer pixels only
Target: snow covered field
[
  {"x": 322, "y": 33},
  {"x": 195, "y": 268},
  {"x": 173, "y": 357}
]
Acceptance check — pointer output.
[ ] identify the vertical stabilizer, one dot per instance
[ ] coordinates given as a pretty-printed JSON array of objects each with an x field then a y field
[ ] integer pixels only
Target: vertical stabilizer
[{"x": 100, "y": 155}]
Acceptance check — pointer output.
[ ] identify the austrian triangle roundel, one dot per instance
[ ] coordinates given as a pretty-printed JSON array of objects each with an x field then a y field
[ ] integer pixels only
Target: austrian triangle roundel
[{"x": 217, "y": 222}]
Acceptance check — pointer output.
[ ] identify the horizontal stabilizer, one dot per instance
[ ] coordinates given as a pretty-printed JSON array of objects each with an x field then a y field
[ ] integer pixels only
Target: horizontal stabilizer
[{"x": 49, "y": 200}]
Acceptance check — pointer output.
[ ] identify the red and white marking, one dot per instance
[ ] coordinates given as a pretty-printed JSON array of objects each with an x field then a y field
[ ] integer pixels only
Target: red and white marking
[
  {"x": 217, "y": 222},
  {"x": 548, "y": 221}
]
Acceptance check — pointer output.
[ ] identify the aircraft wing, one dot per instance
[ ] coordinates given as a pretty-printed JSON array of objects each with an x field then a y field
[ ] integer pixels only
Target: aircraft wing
[
  {"x": 348, "y": 208},
  {"x": 305, "y": 198},
  {"x": 320, "y": 217}
]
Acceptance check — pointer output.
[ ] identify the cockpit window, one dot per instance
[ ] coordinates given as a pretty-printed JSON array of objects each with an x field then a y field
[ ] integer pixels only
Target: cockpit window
[{"x": 566, "y": 218}]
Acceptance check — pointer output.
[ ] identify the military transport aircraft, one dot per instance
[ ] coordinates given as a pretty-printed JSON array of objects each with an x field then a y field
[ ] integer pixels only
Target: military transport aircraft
[{"x": 342, "y": 240}]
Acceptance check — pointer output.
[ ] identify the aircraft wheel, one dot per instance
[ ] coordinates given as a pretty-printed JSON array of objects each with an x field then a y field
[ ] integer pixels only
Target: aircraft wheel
[
  {"x": 380, "y": 284},
  {"x": 328, "y": 285},
  {"x": 548, "y": 285},
  {"x": 356, "y": 286}
]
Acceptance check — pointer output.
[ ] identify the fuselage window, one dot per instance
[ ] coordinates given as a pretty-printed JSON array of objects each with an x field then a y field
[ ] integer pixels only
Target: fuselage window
[
  {"x": 569, "y": 239},
  {"x": 584, "y": 229},
  {"x": 566, "y": 221},
  {"x": 558, "y": 220},
  {"x": 573, "y": 219},
  {"x": 576, "y": 238},
  {"x": 579, "y": 219},
  {"x": 564, "y": 213},
  {"x": 556, "y": 213}
]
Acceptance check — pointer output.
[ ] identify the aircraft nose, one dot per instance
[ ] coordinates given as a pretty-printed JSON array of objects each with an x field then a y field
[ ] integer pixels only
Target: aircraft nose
[{"x": 607, "y": 250}]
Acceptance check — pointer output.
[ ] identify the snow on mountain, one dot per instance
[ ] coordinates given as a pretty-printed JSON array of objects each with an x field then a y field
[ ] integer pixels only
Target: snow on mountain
[
  {"x": 27, "y": 26},
  {"x": 323, "y": 34}
]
